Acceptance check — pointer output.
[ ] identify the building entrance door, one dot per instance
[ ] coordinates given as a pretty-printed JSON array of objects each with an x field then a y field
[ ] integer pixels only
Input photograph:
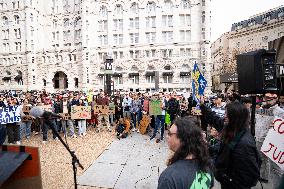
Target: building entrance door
[{"x": 60, "y": 80}]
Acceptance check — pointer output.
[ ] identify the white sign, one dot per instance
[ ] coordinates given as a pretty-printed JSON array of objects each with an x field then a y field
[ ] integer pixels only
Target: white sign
[
  {"x": 273, "y": 145},
  {"x": 108, "y": 66},
  {"x": 281, "y": 70},
  {"x": 10, "y": 114}
]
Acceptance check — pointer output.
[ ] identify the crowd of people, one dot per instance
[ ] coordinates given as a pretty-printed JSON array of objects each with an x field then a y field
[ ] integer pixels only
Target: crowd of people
[
  {"x": 217, "y": 143},
  {"x": 228, "y": 151},
  {"x": 129, "y": 110}
]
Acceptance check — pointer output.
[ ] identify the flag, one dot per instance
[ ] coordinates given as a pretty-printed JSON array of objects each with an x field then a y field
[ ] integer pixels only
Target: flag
[{"x": 199, "y": 84}]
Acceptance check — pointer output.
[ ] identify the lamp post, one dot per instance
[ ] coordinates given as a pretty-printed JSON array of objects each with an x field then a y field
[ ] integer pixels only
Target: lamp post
[{"x": 108, "y": 71}]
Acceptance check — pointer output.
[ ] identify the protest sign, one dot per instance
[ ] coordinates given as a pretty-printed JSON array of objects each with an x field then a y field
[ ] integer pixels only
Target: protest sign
[
  {"x": 27, "y": 109},
  {"x": 65, "y": 116},
  {"x": 81, "y": 112},
  {"x": 155, "y": 107},
  {"x": 101, "y": 109},
  {"x": 196, "y": 111},
  {"x": 111, "y": 108},
  {"x": 273, "y": 145},
  {"x": 278, "y": 125},
  {"x": 26, "y": 118},
  {"x": 90, "y": 96},
  {"x": 10, "y": 114}
]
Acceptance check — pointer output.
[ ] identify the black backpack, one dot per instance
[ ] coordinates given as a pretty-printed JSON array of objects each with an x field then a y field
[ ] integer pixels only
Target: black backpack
[{"x": 224, "y": 160}]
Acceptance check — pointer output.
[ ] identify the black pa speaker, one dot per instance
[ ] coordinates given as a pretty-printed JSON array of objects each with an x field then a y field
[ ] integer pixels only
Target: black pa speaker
[{"x": 256, "y": 72}]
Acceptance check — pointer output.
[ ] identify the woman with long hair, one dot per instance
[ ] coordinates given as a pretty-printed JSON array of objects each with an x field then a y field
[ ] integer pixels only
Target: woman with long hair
[
  {"x": 190, "y": 166},
  {"x": 237, "y": 165}
]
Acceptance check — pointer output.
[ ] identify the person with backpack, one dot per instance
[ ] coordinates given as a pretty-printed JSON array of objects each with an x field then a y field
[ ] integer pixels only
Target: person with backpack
[{"x": 237, "y": 165}]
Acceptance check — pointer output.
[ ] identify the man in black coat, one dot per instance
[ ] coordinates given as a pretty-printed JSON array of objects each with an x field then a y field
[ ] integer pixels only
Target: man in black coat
[{"x": 173, "y": 107}]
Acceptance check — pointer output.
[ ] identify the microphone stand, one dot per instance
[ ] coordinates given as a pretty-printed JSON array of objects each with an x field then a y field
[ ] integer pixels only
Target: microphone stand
[{"x": 72, "y": 153}]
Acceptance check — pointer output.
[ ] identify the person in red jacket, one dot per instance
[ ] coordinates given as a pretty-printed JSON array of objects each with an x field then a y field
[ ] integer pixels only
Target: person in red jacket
[{"x": 103, "y": 100}]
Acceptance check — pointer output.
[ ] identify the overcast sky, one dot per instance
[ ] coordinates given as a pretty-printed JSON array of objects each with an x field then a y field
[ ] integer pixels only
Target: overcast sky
[{"x": 226, "y": 12}]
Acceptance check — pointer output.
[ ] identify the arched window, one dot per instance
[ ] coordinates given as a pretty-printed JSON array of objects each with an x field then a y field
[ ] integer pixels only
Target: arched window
[
  {"x": 118, "y": 10},
  {"x": 185, "y": 4},
  {"x": 66, "y": 22},
  {"x": 203, "y": 16},
  {"x": 103, "y": 11},
  {"x": 134, "y": 68},
  {"x": 77, "y": 21},
  {"x": 16, "y": 19},
  {"x": 151, "y": 7},
  {"x": 168, "y": 7},
  {"x": 134, "y": 9},
  {"x": 54, "y": 23},
  {"x": 150, "y": 68},
  {"x": 5, "y": 20},
  {"x": 44, "y": 82},
  {"x": 167, "y": 67},
  {"x": 185, "y": 67}
]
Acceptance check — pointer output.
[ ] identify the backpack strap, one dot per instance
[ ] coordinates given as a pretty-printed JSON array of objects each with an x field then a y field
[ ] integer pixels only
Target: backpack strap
[{"x": 236, "y": 139}]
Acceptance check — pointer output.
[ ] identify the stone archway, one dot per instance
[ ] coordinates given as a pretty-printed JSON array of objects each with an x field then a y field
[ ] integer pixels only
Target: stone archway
[{"x": 60, "y": 80}]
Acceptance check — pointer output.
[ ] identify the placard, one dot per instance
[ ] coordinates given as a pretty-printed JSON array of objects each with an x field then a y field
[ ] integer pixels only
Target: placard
[
  {"x": 81, "y": 112},
  {"x": 111, "y": 108},
  {"x": 155, "y": 107},
  {"x": 27, "y": 109},
  {"x": 101, "y": 109},
  {"x": 273, "y": 146},
  {"x": 26, "y": 118},
  {"x": 65, "y": 116},
  {"x": 196, "y": 111},
  {"x": 10, "y": 114}
]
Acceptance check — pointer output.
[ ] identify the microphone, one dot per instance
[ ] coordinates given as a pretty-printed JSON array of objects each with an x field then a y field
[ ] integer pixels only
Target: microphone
[{"x": 37, "y": 111}]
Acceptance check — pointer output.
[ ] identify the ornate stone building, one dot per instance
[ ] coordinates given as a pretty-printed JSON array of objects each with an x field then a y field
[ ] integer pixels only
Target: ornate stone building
[
  {"x": 61, "y": 44},
  {"x": 245, "y": 36}
]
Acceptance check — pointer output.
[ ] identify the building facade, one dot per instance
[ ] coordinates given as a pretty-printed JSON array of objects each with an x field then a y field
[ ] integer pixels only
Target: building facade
[
  {"x": 62, "y": 44},
  {"x": 245, "y": 36}
]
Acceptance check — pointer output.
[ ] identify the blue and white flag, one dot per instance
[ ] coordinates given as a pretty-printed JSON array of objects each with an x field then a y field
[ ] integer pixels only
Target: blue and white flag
[{"x": 199, "y": 84}]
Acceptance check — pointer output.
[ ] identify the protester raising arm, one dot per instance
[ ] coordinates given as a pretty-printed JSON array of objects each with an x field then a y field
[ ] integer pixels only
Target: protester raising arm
[{"x": 211, "y": 117}]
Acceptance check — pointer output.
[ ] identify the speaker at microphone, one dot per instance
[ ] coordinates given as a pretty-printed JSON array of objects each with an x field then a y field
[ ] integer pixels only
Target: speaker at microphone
[{"x": 37, "y": 111}]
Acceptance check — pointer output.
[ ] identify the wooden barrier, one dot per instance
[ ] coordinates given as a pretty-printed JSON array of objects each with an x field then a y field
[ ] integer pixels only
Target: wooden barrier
[{"x": 28, "y": 174}]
